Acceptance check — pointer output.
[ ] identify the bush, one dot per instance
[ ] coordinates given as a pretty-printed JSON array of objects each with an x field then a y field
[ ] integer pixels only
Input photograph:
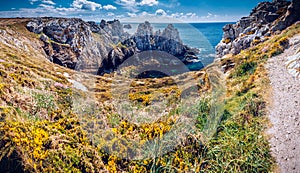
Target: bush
[{"x": 245, "y": 68}]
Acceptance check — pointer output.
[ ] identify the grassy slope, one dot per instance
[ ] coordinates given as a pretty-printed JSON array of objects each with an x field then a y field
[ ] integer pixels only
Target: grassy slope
[{"x": 41, "y": 130}]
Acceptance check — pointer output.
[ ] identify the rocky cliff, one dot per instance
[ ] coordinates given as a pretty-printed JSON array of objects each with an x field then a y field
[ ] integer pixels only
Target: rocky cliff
[
  {"x": 75, "y": 43},
  {"x": 101, "y": 48},
  {"x": 266, "y": 19},
  {"x": 146, "y": 39}
]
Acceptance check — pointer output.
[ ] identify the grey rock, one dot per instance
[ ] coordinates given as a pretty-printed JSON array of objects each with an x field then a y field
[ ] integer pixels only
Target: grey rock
[
  {"x": 127, "y": 26},
  {"x": 291, "y": 16},
  {"x": 35, "y": 26},
  {"x": 115, "y": 30},
  {"x": 70, "y": 43},
  {"x": 167, "y": 40},
  {"x": 146, "y": 39},
  {"x": 44, "y": 38},
  {"x": 100, "y": 48},
  {"x": 264, "y": 20},
  {"x": 94, "y": 27},
  {"x": 271, "y": 17}
]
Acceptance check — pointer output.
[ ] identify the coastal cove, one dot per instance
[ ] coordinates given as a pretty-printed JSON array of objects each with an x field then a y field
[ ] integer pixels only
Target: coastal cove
[
  {"x": 104, "y": 46},
  {"x": 203, "y": 36},
  {"x": 87, "y": 94}
]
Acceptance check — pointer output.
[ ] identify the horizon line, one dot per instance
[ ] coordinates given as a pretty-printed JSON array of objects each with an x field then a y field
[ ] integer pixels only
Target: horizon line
[{"x": 124, "y": 21}]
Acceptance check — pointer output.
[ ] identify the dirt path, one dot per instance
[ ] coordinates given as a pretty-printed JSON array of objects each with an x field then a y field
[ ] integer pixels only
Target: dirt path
[{"x": 284, "y": 111}]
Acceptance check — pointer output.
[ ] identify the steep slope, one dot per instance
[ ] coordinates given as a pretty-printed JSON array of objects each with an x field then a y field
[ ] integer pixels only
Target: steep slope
[
  {"x": 54, "y": 119},
  {"x": 101, "y": 48},
  {"x": 72, "y": 42},
  {"x": 266, "y": 19},
  {"x": 47, "y": 118}
]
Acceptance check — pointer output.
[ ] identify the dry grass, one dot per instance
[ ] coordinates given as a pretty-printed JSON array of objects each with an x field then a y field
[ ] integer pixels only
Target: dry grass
[{"x": 47, "y": 125}]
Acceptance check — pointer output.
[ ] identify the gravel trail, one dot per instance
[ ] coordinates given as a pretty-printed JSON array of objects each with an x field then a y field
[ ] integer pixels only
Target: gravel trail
[{"x": 284, "y": 111}]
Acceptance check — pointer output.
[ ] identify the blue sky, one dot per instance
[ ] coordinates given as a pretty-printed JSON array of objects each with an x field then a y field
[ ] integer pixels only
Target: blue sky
[{"x": 132, "y": 10}]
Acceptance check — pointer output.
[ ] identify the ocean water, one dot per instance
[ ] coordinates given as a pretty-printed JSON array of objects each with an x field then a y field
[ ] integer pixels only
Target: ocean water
[{"x": 203, "y": 36}]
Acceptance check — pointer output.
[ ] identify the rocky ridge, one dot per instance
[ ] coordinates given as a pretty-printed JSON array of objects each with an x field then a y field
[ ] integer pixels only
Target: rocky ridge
[
  {"x": 146, "y": 39},
  {"x": 266, "y": 19},
  {"x": 101, "y": 48},
  {"x": 73, "y": 42}
]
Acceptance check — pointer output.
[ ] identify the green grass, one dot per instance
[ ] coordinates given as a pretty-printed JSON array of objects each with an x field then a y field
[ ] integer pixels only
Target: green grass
[{"x": 57, "y": 141}]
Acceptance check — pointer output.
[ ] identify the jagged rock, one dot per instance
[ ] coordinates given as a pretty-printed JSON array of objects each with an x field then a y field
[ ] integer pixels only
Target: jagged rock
[
  {"x": 63, "y": 55},
  {"x": 115, "y": 30},
  {"x": 264, "y": 20},
  {"x": 35, "y": 26},
  {"x": 146, "y": 39},
  {"x": 171, "y": 41},
  {"x": 168, "y": 40},
  {"x": 70, "y": 43},
  {"x": 271, "y": 17},
  {"x": 245, "y": 22},
  {"x": 127, "y": 26},
  {"x": 94, "y": 27},
  {"x": 291, "y": 16},
  {"x": 89, "y": 47},
  {"x": 115, "y": 57},
  {"x": 44, "y": 38}
]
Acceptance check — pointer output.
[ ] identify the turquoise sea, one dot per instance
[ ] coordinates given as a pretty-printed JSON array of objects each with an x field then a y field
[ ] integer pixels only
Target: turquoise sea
[{"x": 204, "y": 36}]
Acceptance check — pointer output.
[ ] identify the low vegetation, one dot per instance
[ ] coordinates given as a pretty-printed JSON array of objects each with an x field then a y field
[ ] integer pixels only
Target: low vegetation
[{"x": 45, "y": 128}]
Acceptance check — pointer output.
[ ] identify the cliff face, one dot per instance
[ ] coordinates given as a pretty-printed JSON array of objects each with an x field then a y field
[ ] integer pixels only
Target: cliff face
[
  {"x": 115, "y": 30},
  {"x": 72, "y": 42},
  {"x": 266, "y": 19},
  {"x": 168, "y": 40},
  {"x": 146, "y": 39},
  {"x": 101, "y": 48}
]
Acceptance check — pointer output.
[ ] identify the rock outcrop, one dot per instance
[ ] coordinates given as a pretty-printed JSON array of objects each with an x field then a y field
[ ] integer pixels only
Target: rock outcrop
[
  {"x": 266, "y": 19},
  {"x": 146, "y": 39},
  {"x": 101, "y": 48},
  {"x": 70, "y": 42},
  {"x": 127, "y": 26},
  {"x": 115, "y": 30},
  {"x": 168, "y": 40}
]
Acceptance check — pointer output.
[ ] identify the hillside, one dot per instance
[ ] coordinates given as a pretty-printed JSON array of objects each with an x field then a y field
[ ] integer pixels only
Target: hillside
[{"x": 55, "y": 119}]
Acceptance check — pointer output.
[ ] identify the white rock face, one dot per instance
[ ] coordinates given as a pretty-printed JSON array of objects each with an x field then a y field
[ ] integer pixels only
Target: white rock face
[{"x": 293, "y": 65}]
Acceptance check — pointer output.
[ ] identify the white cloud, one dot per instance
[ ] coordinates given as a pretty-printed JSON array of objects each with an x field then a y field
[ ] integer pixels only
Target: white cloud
[
  {"x": 109, "y": 7},
  {"x": 128, "y": 4},
  {"x": 170, "y": 4},
  {"x": 160, "y": 12},
  {"x": 110, "y": 14},
  {"x": 86, "y": 5},
  {"x": 32, "y": 1},
  {"x": 120, "y": 17},
  {"x": 47, "y": 7},
  {"x": 132, "y": 5},
  {"x": 50, "y": 2},
  {"x": 131, "y": 14},
  {"x": 148, "y": 2},
  {"x": 144, "y": 13}
]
